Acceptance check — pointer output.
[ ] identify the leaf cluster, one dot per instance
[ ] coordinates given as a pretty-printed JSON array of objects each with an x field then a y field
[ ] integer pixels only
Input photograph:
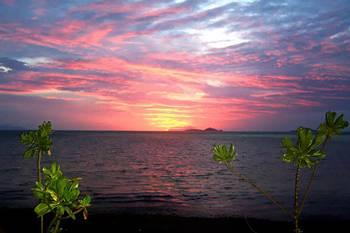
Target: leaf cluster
[
  {"x": 39, "y": 141},
  {"x": 308, "y": 149},
  {"x": 222, "y": 154},
  {"x": 333, "y": 124},
  {"x": 59, "y": 195}
]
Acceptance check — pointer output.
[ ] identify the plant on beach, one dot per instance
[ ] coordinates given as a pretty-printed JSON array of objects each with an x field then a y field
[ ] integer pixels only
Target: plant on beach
[
  {"x": 57, "y": 194},
  {"x": 306, "y": 153},
  {"x": 38, "y": 143}
]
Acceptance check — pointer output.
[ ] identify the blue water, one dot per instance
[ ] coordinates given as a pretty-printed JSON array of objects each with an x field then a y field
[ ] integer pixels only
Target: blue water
[{"x": 173, "y": 174}]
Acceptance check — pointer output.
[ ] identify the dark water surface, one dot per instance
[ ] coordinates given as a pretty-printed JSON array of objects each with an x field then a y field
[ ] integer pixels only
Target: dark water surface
[{"x": 173, "y": 174}]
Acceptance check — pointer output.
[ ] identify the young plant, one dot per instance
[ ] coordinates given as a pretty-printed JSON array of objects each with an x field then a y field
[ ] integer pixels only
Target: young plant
[
  {"x": 59, "y": 195},
  {"x": 38, "y": 143},
  {"x": 306, "y": 153},
  {"x": 56, "y": 193}
]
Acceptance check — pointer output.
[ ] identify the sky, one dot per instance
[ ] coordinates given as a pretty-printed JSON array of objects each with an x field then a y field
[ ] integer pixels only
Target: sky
[{"x": 246, "y": 65}]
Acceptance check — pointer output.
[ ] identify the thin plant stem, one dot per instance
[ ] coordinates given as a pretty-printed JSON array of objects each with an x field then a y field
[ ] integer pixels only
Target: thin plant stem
[
  {"x": 296, "y": 201},
  {"x": 312, "y": 177},
  {"x": 53, "y": 221},
  {"x": 39, "y": 181},
  {"x": 42, "y": 224},
  {"x": 262, "y": 191},
  {"x": 38, "y": 165},
  {"x": 74, "y": 213},
  {"x": 57, "y": 227},
  {"x": 250, "y": 228}
]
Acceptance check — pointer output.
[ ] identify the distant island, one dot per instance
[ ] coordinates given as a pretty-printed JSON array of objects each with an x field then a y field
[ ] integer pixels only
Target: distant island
[
  {"x": 11, "y": 127},
  {"x": 205, "y": 130}
]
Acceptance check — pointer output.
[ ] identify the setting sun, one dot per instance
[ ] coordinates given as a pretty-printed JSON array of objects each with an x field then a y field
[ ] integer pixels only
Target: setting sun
[{"x": 167, "y": 118}]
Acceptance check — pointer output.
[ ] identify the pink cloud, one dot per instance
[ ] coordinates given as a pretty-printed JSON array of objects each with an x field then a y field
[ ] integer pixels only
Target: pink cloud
[
  {"x": 63, "y": 35},
  {"x": 180, "y": 94}
]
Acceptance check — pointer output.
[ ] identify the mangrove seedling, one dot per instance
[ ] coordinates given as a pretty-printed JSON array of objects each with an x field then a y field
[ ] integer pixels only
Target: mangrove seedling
[
  {"x": 60, "y": 196},
  {"x": 37, "y": 144},
  {"x": 306, "y": 153},
  {"x": 57, "y": 194}
]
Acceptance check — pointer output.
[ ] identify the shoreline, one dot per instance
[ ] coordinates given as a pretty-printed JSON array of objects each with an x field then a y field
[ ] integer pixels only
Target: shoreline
[{"x": 24, "y": 220}]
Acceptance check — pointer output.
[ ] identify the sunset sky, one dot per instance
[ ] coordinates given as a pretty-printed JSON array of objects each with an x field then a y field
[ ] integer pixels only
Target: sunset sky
[{"x": 160, "y": 65}]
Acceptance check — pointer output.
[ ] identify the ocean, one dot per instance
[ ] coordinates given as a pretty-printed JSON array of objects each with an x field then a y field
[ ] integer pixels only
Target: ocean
[{"x": 172, "y": 173}]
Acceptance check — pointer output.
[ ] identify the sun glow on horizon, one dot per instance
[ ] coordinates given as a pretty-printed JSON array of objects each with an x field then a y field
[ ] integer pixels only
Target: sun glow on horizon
[{"x": 166, "y": 119}]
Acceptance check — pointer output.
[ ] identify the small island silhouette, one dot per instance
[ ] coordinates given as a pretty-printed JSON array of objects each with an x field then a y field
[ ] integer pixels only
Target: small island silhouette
[{"x": 205, "y": 130}]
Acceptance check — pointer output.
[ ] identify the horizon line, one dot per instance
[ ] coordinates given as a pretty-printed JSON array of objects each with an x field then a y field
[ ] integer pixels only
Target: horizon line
[{"x": 165, "y": 131}]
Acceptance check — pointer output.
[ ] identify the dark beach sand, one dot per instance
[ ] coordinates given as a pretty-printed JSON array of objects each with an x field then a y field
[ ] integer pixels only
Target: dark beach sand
[{"x": 23, "y": 220}]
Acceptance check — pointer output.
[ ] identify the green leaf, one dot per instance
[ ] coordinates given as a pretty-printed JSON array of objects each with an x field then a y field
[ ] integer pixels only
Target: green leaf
[
  {"x": 42, "y": 209},
  {"x": 29, "y": 153},
  {"x": 54, "y": 172},
  {"x": 37, "y": 142},
  {"x": 54, "y": 168},
  {"x": 287, "y": 143},
  {"x": 53, "y": 195},
  {"x": 222, "y": 155},
  {"x": 305, "y": 138},
  {"x": 60, "y": 210},
  {"x": 59, "y": 193},
  {"x": 61, "y": 185},
  {"x": 319, "y": 139},
  {"x": 39, "y": 193},
  {"x": 340, "y": 123},
  {"x": 69, "y": 212},
  {"x": 330, "y": 116},
  {"x": 85, "y": 202},
  {"x": 305, "y": 152},
  {"x": 322, "y": 129},
  {"x": 318, "y": 155},
  {"x": 27, "y": 138},
  {"x": 333, "y": 125},
  {"x": 46, "y": 171},
  {"x": 287, "y": 158}
]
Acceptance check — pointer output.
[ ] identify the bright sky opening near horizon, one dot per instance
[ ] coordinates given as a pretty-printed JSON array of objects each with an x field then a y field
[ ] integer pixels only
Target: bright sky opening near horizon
[{"x": 177, "y": 64}]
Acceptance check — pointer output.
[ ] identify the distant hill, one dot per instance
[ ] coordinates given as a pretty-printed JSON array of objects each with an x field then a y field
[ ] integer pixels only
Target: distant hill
[
  {"x": 11, "y": 127},
  {"x": 213, "y": 130},
  {"x": 193, "y": 130},
  {"x": 205, "y": 130}
]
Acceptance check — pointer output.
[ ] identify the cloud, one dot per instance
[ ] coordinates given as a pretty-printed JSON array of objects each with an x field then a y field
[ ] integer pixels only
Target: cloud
[
  {"x": 173, "y": 64},
  {"x": 35, "y": 61},
  {"x": 4, "y": 69},
  {"x": 9, "y": 64}
]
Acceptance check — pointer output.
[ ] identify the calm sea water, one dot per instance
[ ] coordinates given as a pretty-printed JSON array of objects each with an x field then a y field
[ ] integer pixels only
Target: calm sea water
[{"x": 173, "y": 174}]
